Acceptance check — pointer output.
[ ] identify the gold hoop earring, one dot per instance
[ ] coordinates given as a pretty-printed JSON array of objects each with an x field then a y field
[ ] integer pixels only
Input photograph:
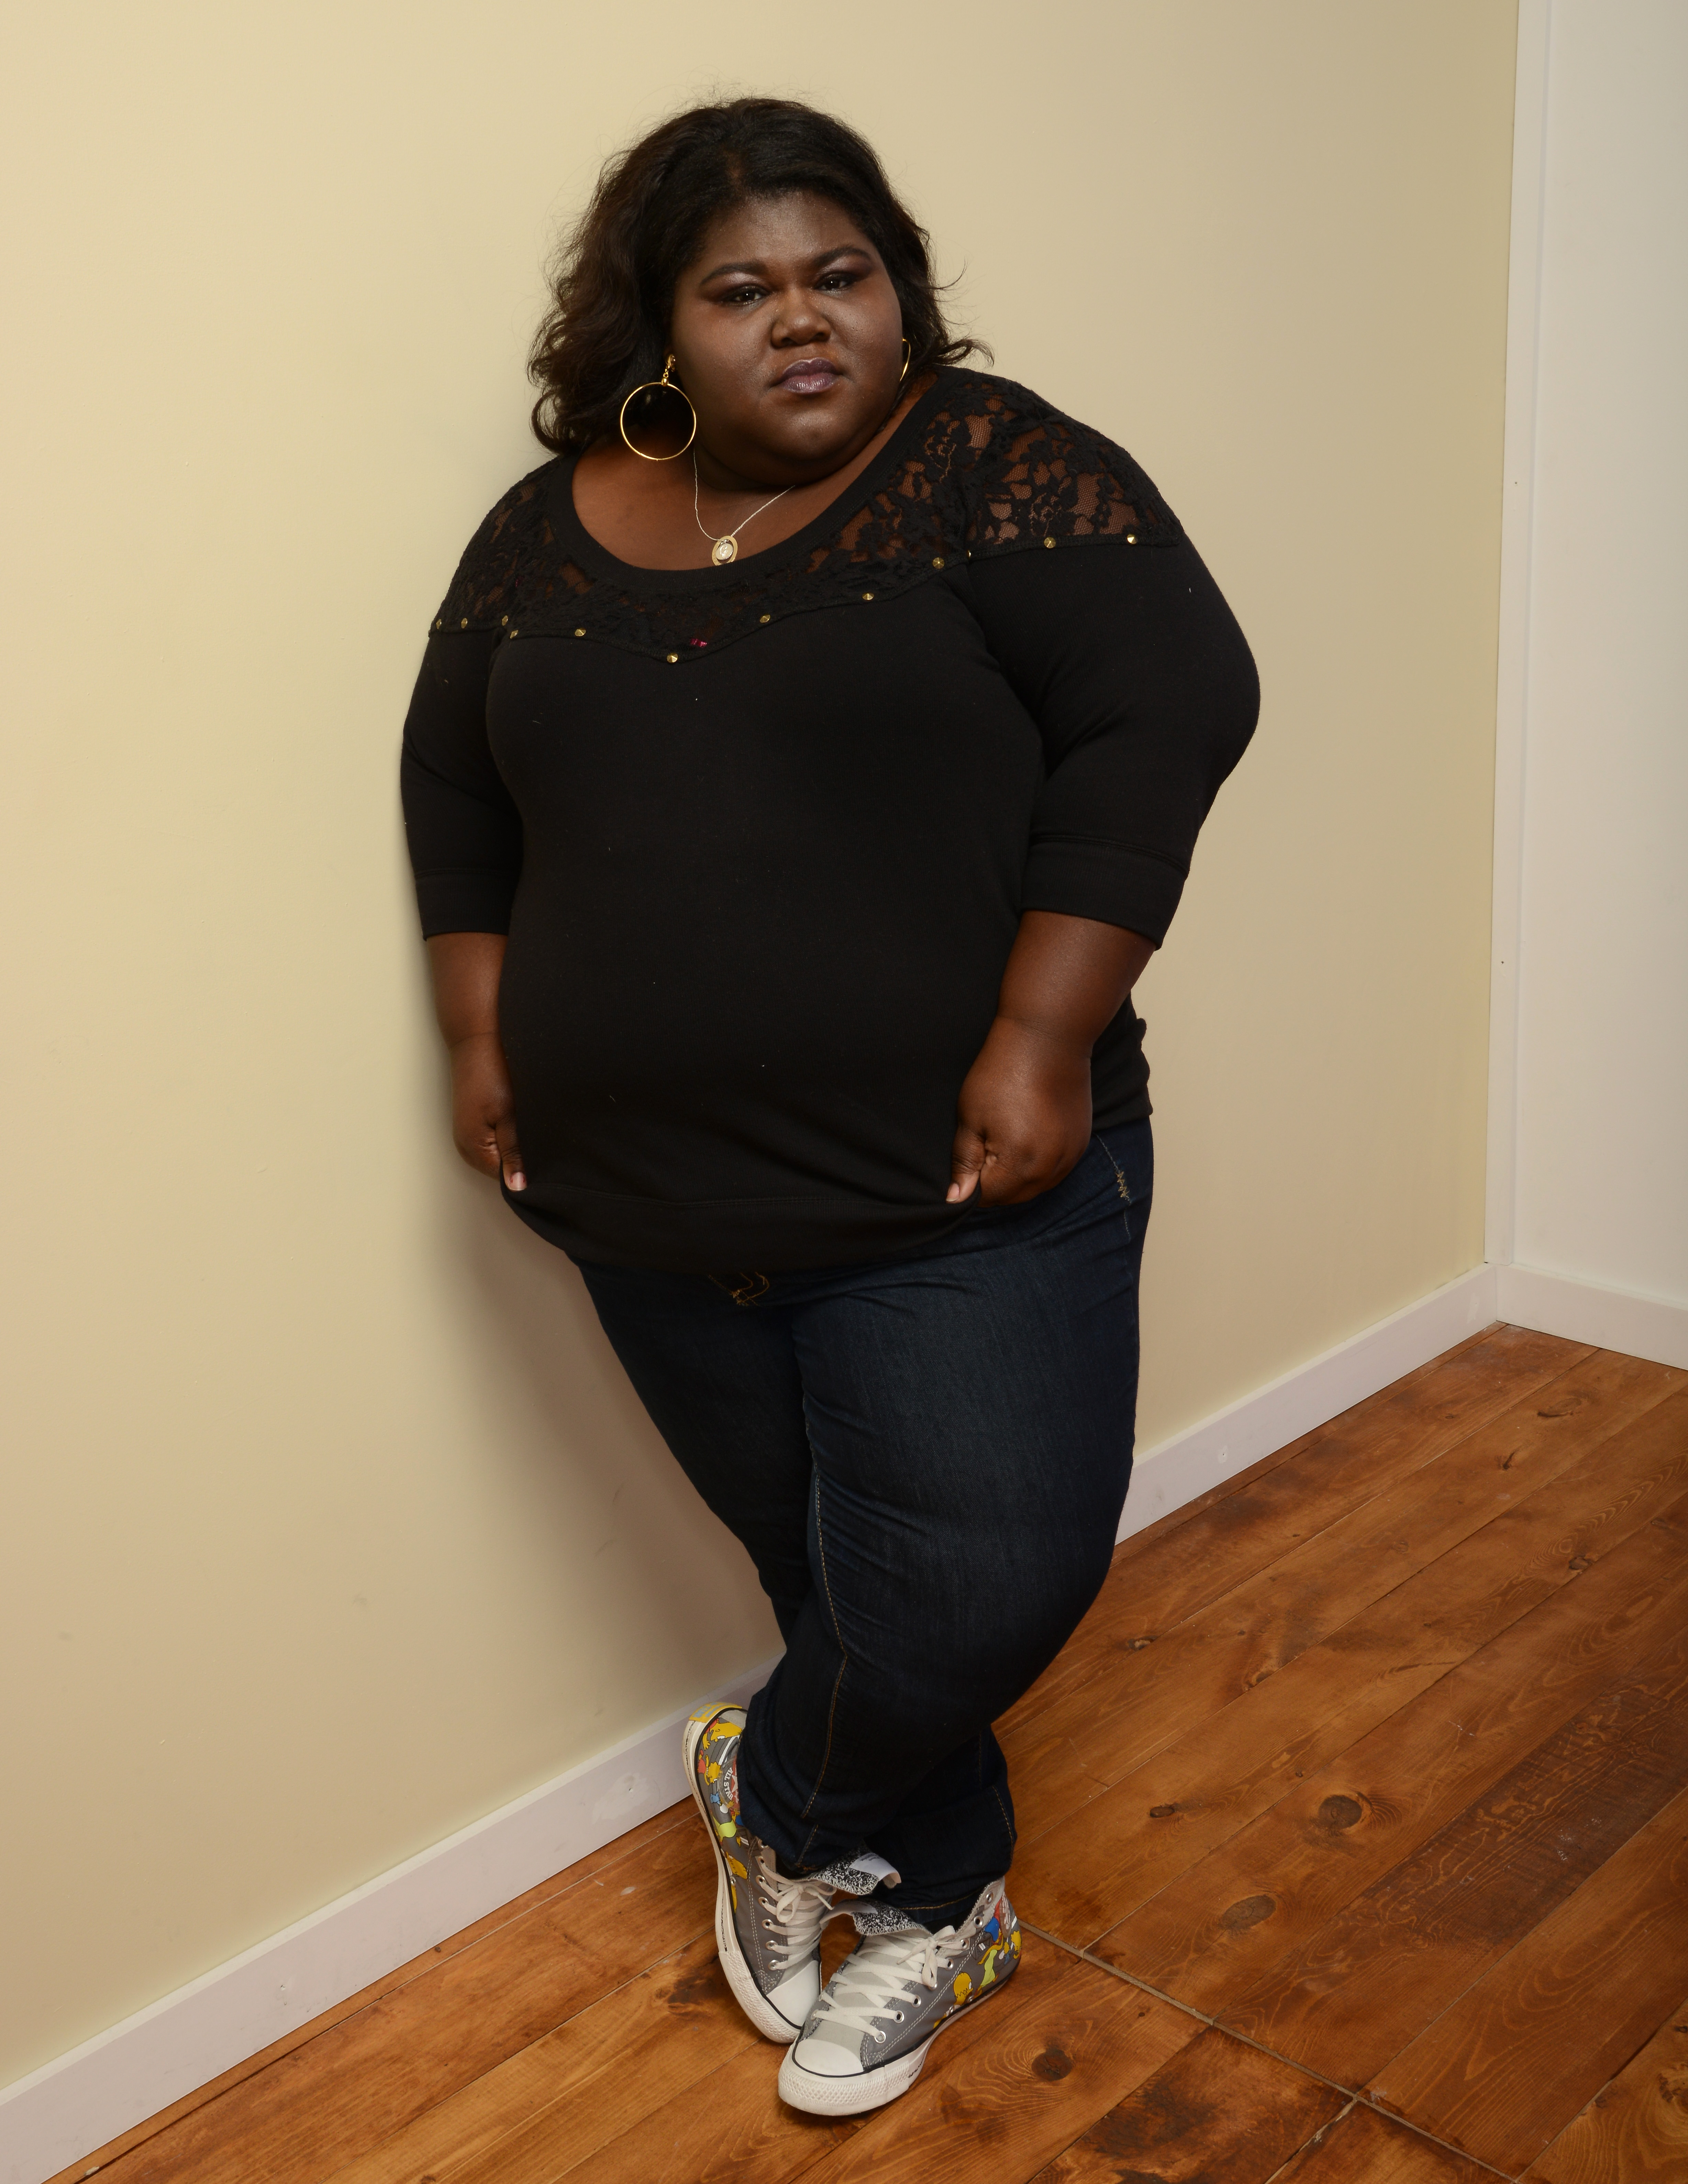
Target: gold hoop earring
[
  {"x": 908, "y": 357},
  {"x": 652, "y": 387}
]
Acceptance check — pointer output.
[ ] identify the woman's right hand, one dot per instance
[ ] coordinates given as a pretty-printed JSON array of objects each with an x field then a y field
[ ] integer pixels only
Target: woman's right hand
[
  {"x": 467, "y": 969},
  {"x": 482, "y": 1109}
]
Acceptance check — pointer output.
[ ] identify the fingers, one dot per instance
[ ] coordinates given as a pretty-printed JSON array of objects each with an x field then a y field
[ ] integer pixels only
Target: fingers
[
  {"x": 1010, "y": 1174},
  {"x": 1012, "y": 1183},
  {"x": 1022, "y": 1117},
  {"x": 483, "y": 1117},
  {"x": 1009, "y": 1166},
  {"x": 477, "y": 1144},
  {"x": 508, "y": 1153},
  {"x": 966, "y": 1164}
]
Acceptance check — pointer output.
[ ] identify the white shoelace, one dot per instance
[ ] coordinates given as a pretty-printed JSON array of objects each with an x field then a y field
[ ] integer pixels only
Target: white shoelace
[
  {"x": 883, "y": 1973},
  {"x": 796, "y": 1912}
]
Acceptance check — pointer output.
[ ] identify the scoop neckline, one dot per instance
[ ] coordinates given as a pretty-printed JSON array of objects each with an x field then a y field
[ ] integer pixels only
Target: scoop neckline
[{"x": 587, "y": 550}]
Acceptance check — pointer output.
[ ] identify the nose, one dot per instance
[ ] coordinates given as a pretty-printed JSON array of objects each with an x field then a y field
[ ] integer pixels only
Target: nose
[{"x": 799, "y": 322}]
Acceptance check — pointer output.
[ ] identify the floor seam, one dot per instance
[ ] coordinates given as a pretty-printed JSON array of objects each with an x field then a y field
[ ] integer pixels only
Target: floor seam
[
  {"x": 1356, "y": 2096},
  {"x": 1318, "y": 2140}
]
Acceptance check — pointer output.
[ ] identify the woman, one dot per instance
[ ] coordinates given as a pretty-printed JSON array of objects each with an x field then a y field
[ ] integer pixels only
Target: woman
[{"x": 828, "y": 728}]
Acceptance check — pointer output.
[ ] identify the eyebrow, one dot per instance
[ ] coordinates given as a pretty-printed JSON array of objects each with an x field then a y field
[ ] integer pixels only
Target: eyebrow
[{"x": 758, "y": 265}]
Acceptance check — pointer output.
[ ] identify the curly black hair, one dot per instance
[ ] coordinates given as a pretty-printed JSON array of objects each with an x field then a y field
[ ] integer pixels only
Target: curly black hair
[{"x": 612, "y": 284}]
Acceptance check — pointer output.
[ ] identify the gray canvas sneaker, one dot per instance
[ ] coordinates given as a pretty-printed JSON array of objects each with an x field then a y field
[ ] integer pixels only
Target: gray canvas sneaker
[
  {"x": 865, "y": 2039},
  {"x": 767, "y": 1928}
]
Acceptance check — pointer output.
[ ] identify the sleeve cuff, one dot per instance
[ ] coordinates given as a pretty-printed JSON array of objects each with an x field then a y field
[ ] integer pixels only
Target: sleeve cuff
[
  {"x": 463, "y": 902},
  {"x": 1082, "y": 877}
]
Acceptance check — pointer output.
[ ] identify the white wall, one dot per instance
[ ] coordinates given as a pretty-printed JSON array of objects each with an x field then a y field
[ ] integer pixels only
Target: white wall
[{"x": 1600, "y": 1126}]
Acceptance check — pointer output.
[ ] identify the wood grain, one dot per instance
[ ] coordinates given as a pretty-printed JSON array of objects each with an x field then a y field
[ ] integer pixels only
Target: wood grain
[
  {"x": 370, "y": 2075},
  {"x": 1310, "y": 1486},
  {"x": 1023, "y": 2089},
  {"x": 1367, "y": 2148},
  {"x": 1368, "y": 1981},
  {"x": 1060, "y": 2034},
  {"x": 1337, "y": 1831},
  {"x": 1219, "y": 2108},
  {"x": 105, "y": 2157},
  {"x": 1188, "y": 1557},
  {"x": 579, "y": 2085},
  {"x": 1636, "y": 2129},
  {"x": 1151, "y": 1540},
  {"x": 1505, "y": 2068},
  {"x": 1214, "y": 1783},
  {"x": 1191, "y": 1673},
  {"x": 584, "y": 2083}
]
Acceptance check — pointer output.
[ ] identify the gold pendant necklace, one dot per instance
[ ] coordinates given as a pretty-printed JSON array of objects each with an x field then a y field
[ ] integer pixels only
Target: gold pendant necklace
[{"x": 725, "y": 548}]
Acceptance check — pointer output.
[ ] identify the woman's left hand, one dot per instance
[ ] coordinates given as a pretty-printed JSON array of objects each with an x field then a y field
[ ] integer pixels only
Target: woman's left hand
[{"x": 1024, "y": 1117}]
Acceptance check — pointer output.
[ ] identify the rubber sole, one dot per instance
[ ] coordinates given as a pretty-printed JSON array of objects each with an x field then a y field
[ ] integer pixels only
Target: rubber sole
[
  {"x": 870, "y": 2089},
  {"x": 740, "y": 1979}
]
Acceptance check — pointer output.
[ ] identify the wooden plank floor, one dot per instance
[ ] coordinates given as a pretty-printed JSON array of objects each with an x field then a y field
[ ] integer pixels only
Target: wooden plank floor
[{"x": 1354, "y": 1844}]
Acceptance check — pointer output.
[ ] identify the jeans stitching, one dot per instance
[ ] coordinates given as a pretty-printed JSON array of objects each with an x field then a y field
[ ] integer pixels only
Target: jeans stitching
[
  {"x": 843, "y": 1660},
  {"x": 825, "y": 1757},
  {"x": 1119, "y": 1172},
  {"x": 1007, "y": 1825}
]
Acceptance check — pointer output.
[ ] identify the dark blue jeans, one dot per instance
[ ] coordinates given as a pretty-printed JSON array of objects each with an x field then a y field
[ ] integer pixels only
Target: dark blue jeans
[{"x": 926, "y": 1459}]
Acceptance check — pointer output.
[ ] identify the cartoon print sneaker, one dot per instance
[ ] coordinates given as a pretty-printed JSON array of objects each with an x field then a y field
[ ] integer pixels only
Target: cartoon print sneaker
[
  {"x": 768, "y": 1928},
  {"x": 865, "y": 2041}
]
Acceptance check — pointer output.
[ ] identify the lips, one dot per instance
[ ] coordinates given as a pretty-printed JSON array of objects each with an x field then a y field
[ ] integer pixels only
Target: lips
[{"x": 809, "y": 375}]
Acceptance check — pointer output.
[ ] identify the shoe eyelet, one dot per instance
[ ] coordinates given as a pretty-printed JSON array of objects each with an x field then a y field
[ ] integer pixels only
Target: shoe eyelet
[{"x": 881, "y": 2038}]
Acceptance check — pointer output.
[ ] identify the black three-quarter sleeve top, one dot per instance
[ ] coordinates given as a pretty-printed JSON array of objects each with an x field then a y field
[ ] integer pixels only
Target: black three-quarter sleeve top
[{"x": 761, "y": 836}]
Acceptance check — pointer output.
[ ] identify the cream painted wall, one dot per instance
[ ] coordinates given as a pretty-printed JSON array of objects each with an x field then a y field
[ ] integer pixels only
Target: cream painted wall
[
  {"x": 331, "y": 1523},
  {"x": 1601, "y": 1150}
]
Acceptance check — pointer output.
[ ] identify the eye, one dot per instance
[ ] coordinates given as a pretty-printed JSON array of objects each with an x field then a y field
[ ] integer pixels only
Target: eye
[
  {"x": 750, "y": 293},
  {"x": 836, "y": 280}
]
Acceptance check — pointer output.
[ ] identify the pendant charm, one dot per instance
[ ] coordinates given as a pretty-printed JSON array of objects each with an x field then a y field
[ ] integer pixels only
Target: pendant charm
[{"x": 723, "y": 551}]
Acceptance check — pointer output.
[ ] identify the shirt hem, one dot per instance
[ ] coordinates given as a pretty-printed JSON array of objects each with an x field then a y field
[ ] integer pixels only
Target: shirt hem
[{"x": 796, "y": 1235}]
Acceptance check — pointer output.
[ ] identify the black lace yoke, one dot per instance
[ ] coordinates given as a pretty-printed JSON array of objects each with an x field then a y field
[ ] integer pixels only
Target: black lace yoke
[{"x": 980, "y": 467}]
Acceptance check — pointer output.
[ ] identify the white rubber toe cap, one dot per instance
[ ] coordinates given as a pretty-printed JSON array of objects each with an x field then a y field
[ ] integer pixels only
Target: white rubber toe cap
[{"x": 825, "y": 2058}]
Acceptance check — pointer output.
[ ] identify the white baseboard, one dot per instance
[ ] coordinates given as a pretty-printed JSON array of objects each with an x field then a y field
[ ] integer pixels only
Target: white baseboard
[
  {"x": 1584, "y": 1311},
  {"x": 1173, "y": 1472},
  {"x": 72, "y": 2105},
  {"x": 117, "y": 2080}
]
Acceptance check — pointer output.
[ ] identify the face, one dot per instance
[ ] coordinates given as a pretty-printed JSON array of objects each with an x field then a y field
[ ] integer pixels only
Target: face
[{"x": 787, "y": 337}]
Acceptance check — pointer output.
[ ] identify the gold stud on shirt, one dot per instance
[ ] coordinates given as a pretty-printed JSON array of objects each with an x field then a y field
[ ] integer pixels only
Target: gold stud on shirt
[
  {"x": 1048, "y": 542},
  {"x": 580, "y": 633},
  {"x": 672, "y": 658},
  {"x": 868, "y": 595},
  {"x": 440, "y": 624},
  {"x": 938, "y": 561},
  {"x": 768, "y": 617},
  {"x": 505, "y": 618},
  {"x": 1131, "y": 537},
  {"x": 464, "y": 624}
]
